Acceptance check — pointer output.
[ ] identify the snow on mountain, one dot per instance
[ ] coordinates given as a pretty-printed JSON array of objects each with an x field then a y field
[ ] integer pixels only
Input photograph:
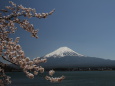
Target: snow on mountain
[{"x": 63, "y": 51}]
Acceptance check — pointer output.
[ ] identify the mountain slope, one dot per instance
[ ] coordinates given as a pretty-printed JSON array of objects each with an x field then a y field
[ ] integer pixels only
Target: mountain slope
[
  {"x": 76, "y": 61},
  {"x": 64, "y": 57}
]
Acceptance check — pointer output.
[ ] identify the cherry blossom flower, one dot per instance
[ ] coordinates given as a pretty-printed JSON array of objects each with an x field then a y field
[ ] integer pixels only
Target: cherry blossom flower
[{"x": 51, "y": 72}]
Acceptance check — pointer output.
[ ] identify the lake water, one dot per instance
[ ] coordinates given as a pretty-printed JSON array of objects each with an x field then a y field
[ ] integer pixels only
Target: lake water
[{"x": 73, "y": 78}]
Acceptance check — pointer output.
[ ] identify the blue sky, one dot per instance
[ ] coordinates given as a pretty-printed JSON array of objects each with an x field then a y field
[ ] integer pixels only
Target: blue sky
[{"x": 86, "y": 26}]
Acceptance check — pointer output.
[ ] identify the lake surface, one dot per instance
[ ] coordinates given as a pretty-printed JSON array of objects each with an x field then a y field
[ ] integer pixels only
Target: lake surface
[{"x": 73, "y": 78}]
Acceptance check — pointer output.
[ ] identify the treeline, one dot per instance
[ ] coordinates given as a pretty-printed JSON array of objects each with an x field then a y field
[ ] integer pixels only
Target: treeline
[
  {"x": 85, "y": 69},
  {"x": 13, "y": 68}
]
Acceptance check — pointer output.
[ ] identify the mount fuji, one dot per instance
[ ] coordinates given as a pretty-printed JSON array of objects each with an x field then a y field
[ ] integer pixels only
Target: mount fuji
[
  {"x": 65, "y": 57},
  {"x": 62, "y": 52}
]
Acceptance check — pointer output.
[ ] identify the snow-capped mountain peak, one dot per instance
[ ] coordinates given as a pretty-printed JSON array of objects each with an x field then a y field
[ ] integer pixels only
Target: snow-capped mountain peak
[{"x": 63, "y": 51}]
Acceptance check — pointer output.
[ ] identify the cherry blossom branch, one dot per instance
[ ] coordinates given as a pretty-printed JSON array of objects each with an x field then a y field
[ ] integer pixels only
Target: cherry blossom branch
[
  {"x": 8, "y": 60},
  {"x": 10, "y": 50}
]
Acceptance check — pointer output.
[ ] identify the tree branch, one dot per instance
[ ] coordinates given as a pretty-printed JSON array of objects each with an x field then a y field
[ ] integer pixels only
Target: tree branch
[{"x": 9, "y": 60}]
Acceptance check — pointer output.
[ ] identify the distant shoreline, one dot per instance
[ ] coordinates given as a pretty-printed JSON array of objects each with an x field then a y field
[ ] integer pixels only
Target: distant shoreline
[{"x": 72, "y": 69}]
